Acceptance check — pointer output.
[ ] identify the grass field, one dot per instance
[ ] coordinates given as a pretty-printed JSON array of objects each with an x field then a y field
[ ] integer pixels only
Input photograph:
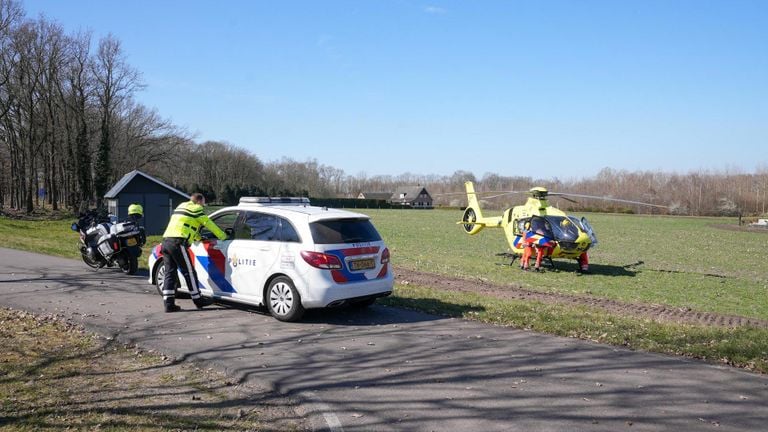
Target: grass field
[
  {"x": 682, "y": 262},
  {"x": 53, "y": 237}
]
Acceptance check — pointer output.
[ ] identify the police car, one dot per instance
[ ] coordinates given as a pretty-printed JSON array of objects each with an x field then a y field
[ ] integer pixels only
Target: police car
[{"x": 289, "y": 256}]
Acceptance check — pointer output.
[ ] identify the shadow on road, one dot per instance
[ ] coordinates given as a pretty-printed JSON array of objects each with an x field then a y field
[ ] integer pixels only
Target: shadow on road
[{"x": 351, "y": 316}]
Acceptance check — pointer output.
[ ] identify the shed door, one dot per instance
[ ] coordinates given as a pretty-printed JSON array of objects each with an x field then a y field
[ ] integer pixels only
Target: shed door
[
  {"x": 157, "y": 213},
  {"x": 125, "y": 200}
]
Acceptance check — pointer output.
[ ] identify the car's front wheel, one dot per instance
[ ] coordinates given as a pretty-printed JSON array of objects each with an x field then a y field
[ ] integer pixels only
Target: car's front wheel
[
  {"x": 283, "y": 301},
  {"x": 160, "y": 279}
]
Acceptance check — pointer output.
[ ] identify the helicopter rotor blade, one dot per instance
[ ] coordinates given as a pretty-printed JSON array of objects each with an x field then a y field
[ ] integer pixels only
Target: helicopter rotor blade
[
  {"x": 483, "y": 194},
  {"x": 565, "y": 198},
  {"x": 502, "y": 193},
  {"x": 609, "y": 199},
  {"x": 564, "y": 195}
]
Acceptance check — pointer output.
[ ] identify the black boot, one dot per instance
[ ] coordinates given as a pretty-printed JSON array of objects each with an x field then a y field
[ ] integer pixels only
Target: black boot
[
  {"x": 170, "y": 306},
  {"x": 202, "y": 302}
]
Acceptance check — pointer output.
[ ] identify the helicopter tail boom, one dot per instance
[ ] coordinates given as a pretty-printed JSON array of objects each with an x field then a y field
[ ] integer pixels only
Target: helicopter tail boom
[{"x": 473, "y": 220}]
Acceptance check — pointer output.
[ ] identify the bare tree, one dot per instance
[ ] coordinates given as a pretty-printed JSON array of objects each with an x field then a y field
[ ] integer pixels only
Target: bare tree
[
  {"x": 116, "y": 82},
  {"x": 144, "y": 139},
  {"x": 77, "y": 90}
]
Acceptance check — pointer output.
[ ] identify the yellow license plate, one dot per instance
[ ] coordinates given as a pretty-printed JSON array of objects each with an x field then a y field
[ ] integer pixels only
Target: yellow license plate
[
  {"x": 131, "y": 242},
  {"x": 363, "y": 264}
]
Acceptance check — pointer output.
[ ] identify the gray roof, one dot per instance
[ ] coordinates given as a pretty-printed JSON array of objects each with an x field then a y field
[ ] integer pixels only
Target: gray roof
[
  {"x": 411, "y": 193},
  {"x": 123, "y": 182},
  {"x": 377, "y": 195}
]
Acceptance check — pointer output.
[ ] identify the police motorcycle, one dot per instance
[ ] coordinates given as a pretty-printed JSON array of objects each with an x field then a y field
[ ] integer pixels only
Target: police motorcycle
[{"x": 105, "y": 242}]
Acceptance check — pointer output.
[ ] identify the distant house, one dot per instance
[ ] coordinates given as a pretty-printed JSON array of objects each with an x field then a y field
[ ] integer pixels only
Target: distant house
[
  {"x": 157, "y": 198},
  {"x": 411, "y": 196},
  {"x": 384, "y": 196}
]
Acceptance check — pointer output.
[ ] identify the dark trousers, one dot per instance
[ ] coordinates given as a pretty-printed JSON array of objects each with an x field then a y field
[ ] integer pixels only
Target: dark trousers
[{"x": 176, "y": 257}]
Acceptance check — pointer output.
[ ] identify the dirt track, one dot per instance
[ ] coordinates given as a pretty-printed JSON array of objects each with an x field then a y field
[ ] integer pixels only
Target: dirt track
[{"x": 655, "y": 312}]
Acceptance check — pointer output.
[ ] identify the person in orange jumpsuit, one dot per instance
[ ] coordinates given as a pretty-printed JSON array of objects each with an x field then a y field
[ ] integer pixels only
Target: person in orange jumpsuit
[
  {"x": 583, "y": 260},
  {"x": 535, "y": 237}
]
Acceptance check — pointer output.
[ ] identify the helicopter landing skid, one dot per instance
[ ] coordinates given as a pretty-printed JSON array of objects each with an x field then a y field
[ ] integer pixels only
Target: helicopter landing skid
[
  {"x": 547, "y": 260},
  {"x": 507, "y": 255}
]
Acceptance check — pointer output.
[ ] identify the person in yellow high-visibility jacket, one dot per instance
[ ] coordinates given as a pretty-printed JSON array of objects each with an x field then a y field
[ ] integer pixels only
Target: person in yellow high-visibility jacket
[{"x": 183, "y": 228}]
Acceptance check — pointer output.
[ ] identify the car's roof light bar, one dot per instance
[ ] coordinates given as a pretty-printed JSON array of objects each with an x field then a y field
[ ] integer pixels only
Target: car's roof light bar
[{"x": 275, "y": 200}]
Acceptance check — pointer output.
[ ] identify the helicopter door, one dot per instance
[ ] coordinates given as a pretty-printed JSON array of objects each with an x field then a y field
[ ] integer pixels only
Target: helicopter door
[{"x": 590, "y": 232}]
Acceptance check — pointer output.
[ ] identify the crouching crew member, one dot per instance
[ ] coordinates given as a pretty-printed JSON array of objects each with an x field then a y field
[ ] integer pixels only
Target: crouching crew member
[
  {"x": 183, "y": 228},
  {"x": 536, "y": 237}
]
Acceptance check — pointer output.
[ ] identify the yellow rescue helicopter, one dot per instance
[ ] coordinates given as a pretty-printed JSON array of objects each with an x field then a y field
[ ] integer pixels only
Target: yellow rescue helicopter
[{"x": 537, "y": 227}]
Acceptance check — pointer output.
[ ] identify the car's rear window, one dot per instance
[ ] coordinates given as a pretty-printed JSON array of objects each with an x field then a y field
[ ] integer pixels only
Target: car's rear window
[{"x": 343, "y": 231}]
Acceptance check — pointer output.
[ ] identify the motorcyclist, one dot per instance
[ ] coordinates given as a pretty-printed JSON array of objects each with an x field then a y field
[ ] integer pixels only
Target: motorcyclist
[
  {"x": 135, "y": 213},
  {"x": 183, "y": 228}
]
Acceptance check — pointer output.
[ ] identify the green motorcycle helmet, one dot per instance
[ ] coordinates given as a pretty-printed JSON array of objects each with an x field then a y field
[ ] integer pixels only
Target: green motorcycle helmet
[{"x": 135, "y": 209}]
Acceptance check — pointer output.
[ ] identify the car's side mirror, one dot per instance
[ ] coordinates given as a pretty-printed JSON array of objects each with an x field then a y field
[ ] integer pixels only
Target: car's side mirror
[{"x": 230, "y": 232}]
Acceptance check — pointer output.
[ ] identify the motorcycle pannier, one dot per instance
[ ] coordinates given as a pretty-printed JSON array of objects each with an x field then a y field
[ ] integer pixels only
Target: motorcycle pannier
[
  {"x": 105, "y": 244},
  {"x": 125, "y": 229},
  {"x": 94, "y": 234},
  {"x": 128, "y": 233}
]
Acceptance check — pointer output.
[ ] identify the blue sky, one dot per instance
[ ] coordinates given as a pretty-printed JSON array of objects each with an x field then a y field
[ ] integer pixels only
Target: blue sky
[{"x": 535, "y": 88}]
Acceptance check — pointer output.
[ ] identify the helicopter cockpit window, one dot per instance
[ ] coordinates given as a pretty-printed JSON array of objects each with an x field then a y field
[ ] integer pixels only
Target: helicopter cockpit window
[
  {"x": 541, "y": 226},
  {"x": 576, "y": 222},
  {"x": 563, "y": 228},
  {"x": 521, "y": 225}
]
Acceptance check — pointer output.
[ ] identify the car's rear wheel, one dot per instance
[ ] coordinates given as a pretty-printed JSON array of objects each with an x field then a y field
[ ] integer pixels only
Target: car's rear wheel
[
  {"x": 283, "y": 300},
  {"x": 159, "y": 276},
  {"x": 160, "y": 279}
]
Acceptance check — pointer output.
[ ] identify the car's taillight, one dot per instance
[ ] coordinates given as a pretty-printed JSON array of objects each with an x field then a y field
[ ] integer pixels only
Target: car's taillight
[
  {"x": 321, "y": 260},
  {"x": 385, "y": 256}
]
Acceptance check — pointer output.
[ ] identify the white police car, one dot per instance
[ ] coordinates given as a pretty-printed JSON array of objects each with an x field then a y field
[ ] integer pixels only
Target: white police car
[{"x": 289, "y": 256}]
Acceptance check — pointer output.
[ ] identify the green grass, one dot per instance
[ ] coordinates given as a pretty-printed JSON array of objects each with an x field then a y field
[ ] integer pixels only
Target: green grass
[
  {"x": 681, "y": 262},
  {"x": 52, "y": 238},
  {"x": 743, "y": 347}
]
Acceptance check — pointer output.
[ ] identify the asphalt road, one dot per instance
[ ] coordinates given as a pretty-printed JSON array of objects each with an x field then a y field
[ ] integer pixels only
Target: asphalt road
[{"x": 386, "y": 369}]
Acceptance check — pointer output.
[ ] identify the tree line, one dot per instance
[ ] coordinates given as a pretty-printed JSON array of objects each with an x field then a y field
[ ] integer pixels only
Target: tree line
[{"x": 70, "y": 127}]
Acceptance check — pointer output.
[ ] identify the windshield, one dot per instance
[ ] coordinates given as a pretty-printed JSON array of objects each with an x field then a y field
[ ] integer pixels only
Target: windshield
[
  {"x": 541, "y": 226},
  {"x": 563, "y": 228},
  {"x": 343, "y": 231}
]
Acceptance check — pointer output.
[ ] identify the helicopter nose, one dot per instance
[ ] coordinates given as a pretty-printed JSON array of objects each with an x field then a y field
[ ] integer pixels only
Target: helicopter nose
[{"x": 583, "y": 243}]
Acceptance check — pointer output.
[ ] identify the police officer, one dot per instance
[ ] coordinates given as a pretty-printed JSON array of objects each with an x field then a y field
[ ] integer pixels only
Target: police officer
[
  {"x": 183, "y": 228},
  {"x": 135, "y": 213}
]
